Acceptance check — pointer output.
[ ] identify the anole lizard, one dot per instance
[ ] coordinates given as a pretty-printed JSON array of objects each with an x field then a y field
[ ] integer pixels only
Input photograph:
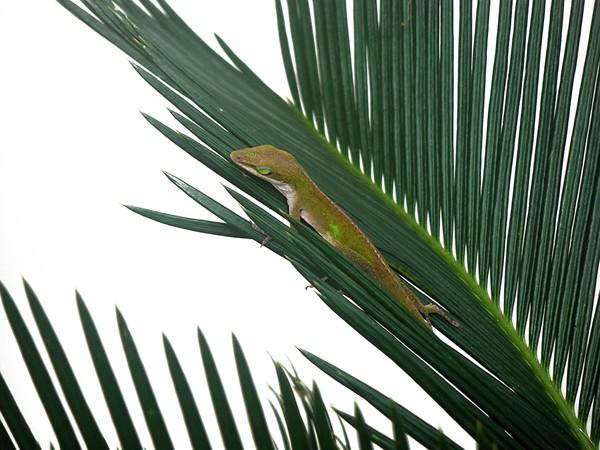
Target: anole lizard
[{"x": 306, "y": 201}]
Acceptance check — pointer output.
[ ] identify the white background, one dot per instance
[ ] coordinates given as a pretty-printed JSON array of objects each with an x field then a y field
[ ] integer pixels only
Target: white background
[{"x": 73, "y": 149}]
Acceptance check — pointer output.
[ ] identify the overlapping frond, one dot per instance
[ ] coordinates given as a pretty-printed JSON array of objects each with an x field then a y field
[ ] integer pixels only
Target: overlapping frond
[
  {"x": 302, "y": 428},
  {"x": 518, "y": 206}
]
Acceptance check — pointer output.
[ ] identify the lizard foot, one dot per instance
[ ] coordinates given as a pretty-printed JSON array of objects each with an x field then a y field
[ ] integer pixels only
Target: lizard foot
[
  {"x": 434, "y": 309},
  {"x": 266, "y": 239},
  {"x": 310, "y": 286}
]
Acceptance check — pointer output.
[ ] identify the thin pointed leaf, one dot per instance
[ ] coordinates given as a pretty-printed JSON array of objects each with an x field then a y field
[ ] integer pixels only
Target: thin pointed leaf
[
  {"x": 259, "y": 84},
  {"x": 476, "y": 129},
  {"x": 5, "y": 440},
  {"x": 492, "y": 143},
  {"x": 421, "y": 156},
  {"x": 326, "y": 73},
  {"x": 12, "y": 416},
  {"x": 591, "y": 376},
  {"x": 433, "y": 117},
  {"x": 191, "y": 415},
  {"x": 338, "y": 10},
  {"x": 595, "y": 433},
  {"x": 465, "y": 37},
  {"x": 507, "y": 151},
  {"x": 400, "y": 438},
  {"x": 57, "y": 415},
  {"x": 536, "y": 199},
  {"x": 286, "y": 55},
  {"x": 254, "y": 411},
  {"x": 306, "y": 62},
  {"x": 574, "y": 213},
  {"x": 364, "y": 436},
  {"x": 322, "y": 423},
  {"x": 387, "y": 126},
  {"x": 306, "y": 399},
  {"x": 589, "y": 390},
  {"x": 516, "y": 231},
  {"x": 187, "y": 223},
  {"x": 377, "y": 437},
  {"x": 110, "y": 388},
  {"x": 282, "y": 428},
  {"x": 229, "y": 433},
  {"x": 291, "y": 413},
  {"x": 373, "y": 41},
  {"x": 214, "y": 207},
  {"x": 552, "y": 192},
  {"x": 209, "y": 126},
  {"x": 415, "y": 426},
  {"x": 398, "y": 96},
  {"x": 152, "y": 414},
  {"x": 361, "y": 83},
  {"x": 68, "y": 381},
  {"x": 447, "y": 121}
]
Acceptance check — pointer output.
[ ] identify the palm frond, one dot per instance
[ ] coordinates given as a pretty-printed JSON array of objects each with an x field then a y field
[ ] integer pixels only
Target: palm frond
[
  {"x": 128, "y": 432},
  {"x": 47, "y": 393},
  {"x": 548, "y": 295},
  {"x": 15, "y": 421},
  {"x": 376, "y": 134}
]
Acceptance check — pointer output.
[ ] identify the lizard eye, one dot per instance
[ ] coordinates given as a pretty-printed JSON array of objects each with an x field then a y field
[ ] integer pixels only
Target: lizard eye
[{"x": 263, "y": 170}]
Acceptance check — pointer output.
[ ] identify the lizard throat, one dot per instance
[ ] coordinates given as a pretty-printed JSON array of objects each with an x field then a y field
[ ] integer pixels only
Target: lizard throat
[{"x": 284, "y": 188}]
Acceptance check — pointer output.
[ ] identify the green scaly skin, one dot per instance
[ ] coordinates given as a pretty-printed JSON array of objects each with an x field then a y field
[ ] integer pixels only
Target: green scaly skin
[{"x": 306, "y": 201}]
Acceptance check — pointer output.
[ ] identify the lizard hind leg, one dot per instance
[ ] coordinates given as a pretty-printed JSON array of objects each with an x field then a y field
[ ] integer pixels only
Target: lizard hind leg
[
  {"x": 434, "y": 309},
  {"x": 266, "y": 239}
]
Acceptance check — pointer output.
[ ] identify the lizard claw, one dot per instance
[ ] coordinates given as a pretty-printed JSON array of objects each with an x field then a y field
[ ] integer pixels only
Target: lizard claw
[
  {"x": 266, "y": 240},
  {"x": 310, "y": 286}
]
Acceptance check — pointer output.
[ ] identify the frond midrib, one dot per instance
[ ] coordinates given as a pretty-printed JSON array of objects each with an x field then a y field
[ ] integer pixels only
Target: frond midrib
[{"x": 543, "y": 376}]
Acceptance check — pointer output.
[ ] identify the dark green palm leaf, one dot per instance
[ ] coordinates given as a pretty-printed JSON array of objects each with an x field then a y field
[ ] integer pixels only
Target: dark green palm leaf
[
  {"x": 124, "y": 426},
  {"x": 81, "y": 412},
  {"x": 120, "y": 411},
  {"x": 299, "y": 438},
  {"x": 152, "y": 414},
  {"x": 229, "y": 432},
  {"x": 193, "y": 420},
  {"x": 254, "y": 411},
  {"x": 15, "y": 422},
  {"x": 364, "y": 434},
  {"x": 55, "y": 410}
]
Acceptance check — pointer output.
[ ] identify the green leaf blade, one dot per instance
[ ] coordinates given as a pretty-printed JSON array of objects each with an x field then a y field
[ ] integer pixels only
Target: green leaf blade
[
  {"x": 15, "y": 421},
  {"x": 193, "y": 421},
  {"x": 115, "y": 401},
  {"x": 152, "y": 413},
  {"x": 492, "y": 149},
  {"x": 82, "y": 414},
  {"x": 229, "y": 432},
  {"x": 254, "y": 411},
  {"x": 186, "y": 223},
  {"x": 57, "y": 415},
  {"x": 516, "y": 230},
  {"x": 294, "y": 423}
]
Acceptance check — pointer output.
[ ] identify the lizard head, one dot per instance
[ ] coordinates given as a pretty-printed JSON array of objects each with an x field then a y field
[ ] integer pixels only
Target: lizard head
[{"x": 275, "y": 166}]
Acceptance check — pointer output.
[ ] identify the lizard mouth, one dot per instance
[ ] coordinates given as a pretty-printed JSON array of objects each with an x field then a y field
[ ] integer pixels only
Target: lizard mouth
[
  {"x": 246, "y": 166},
  {"x": 236, "y": 157},
  {"x": 239, "y": 160}
]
